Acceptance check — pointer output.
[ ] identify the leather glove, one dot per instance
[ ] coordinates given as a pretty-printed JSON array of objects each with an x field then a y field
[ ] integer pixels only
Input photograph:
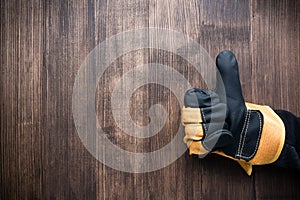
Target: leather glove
[{"x": 220, "y": 121}]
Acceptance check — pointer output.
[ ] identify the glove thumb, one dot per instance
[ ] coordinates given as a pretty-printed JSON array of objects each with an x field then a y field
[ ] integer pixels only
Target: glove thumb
[{"x": 228, "y": 81}]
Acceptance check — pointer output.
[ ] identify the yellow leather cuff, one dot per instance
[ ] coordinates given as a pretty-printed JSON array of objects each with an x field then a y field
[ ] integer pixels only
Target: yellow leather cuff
[{"x": 271, "y": 141}]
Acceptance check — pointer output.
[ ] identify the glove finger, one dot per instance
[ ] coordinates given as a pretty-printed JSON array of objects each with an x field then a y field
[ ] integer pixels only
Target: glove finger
[
  {"x": 211, "y": 141},
  {"x": 191, "y": 116},
  {"x": 197, "y": 98},
  {"x": 210, "y": 128},
  {"x": 214, "y": 141},
  {"x": 197, "y": 148},
  {"x": 216, "y": 113},
  {"x": 229, "y": 75},
  {"x": 208, "y": 102},
  {"x": 193, "y": 132}
]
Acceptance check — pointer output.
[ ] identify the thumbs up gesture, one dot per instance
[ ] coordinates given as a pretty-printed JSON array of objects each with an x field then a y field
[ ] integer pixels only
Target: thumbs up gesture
[{"x": 220, "y": 121}]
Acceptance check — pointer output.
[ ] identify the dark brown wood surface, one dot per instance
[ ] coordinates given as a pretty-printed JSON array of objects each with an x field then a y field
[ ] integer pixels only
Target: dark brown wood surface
[{"x": 43, "y": 44}]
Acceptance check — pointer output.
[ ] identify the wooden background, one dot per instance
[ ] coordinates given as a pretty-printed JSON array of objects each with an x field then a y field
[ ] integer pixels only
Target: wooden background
[{"x": 43, "y": 44}]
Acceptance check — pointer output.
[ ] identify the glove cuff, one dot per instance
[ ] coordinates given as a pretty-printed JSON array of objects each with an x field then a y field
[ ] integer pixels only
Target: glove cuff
[
  {"x": 270, "y": 143},
  {"x": 272, "y": 138}
]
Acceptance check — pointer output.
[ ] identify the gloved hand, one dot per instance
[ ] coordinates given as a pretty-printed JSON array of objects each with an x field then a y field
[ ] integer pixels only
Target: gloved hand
[{"x": 251, "y": 134}]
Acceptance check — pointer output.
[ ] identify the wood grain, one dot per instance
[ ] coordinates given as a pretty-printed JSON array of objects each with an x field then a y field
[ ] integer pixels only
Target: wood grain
[
  {"x": 43, "y": 44},
  {"x": 275, "y": 50}
]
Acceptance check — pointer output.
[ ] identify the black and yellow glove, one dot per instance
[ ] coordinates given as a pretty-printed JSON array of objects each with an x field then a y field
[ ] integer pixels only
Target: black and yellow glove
[{"x": 251, "y": 134}]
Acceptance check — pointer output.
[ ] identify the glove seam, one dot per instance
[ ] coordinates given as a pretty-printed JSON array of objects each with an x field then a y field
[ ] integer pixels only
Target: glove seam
[
  {"x": 259, "y": 136},
  {"x": 203, "y": 116},
  {"x": 241, "y": 134},
  {"x": 204, "y": 121},
  {"x": 245, "y": 135},
  {"x": 205, "y": 128}
]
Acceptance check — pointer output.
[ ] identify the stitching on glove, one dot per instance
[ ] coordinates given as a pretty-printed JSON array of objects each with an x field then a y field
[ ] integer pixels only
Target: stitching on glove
[
  {"x": 259, "y": 136},
  {"x": 205, "y": 128},
  {"x": 203, "y": 116},
  {"x": 241, "y": 134},
  {"x": 204, "y": 120},
  {"x": 245, "y": 135}
]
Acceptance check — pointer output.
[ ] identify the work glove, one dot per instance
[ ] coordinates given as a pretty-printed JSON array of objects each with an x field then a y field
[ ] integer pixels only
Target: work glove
[{"x": 220, "y": 121}]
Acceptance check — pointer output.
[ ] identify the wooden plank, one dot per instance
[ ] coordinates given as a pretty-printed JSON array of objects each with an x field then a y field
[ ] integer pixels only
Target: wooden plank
[
  {"x": 43, "y": 44},
  {"x": 204, "y": 22},
  {"x": 182, "y": 179},
  {"x": 226, "y": 25},
  {"x": 275, "y": 60},
  {"x": 21, "y": 53},
  {"x": 112, "y": 184},
  {"x": 69, "y": 35}
]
